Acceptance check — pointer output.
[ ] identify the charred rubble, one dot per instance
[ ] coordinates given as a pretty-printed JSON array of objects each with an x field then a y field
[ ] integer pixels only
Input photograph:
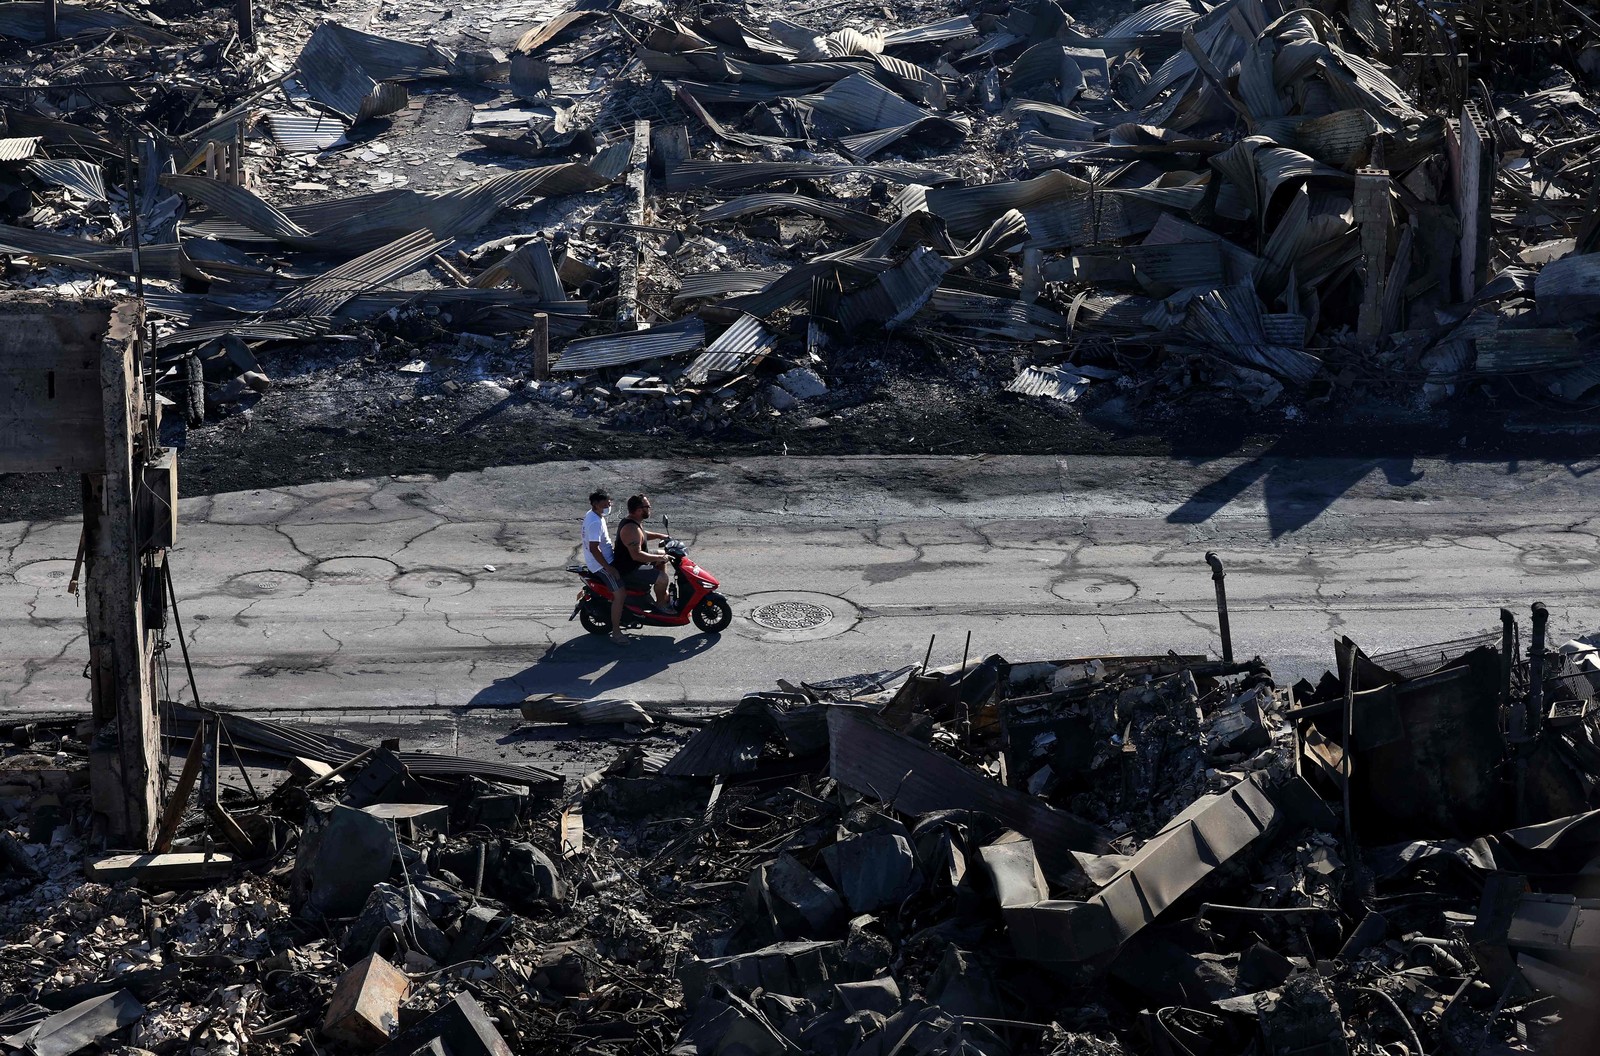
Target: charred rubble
[
  {"x": 709, "y": 215},
  {"x": 1155, "y": 854}
]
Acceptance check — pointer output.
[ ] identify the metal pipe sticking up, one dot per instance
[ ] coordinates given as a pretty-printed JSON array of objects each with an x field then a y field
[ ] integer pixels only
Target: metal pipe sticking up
[
  {"x": 1535, "y": 716},
  {"x": 1508, "y": 649},
  {"x": 1217, "y": 576}
]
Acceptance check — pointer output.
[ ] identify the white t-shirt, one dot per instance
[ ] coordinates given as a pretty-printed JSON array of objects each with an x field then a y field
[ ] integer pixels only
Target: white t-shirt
[{"x": 595, "y": 530}]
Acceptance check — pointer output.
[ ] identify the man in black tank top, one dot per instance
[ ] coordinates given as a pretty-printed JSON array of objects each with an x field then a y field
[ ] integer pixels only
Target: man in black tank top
[{"x": 632, "y": 556}]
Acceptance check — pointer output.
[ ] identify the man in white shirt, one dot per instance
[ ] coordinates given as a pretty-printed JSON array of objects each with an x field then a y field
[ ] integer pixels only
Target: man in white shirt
[{"x": 597, "y": 558}]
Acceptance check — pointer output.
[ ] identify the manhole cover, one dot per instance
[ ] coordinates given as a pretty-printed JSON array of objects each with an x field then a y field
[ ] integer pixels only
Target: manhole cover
[{"x": 791, "y": 615}]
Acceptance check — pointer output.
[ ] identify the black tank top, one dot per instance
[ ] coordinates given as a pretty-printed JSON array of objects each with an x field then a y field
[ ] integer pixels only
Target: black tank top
[{"x": 621, "y": 556}]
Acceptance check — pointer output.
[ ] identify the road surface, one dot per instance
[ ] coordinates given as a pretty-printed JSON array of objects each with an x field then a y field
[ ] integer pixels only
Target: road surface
[{"x": 386, "y": 595}]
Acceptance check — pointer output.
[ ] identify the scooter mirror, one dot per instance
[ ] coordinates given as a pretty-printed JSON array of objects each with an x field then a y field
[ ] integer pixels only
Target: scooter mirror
[{"x": 666, "y": 525}]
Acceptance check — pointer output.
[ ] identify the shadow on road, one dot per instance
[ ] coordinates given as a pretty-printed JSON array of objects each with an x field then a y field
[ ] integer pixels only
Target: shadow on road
[
  {"x": 1296, "y": 491},
  {"x": 592, "y": 666}
]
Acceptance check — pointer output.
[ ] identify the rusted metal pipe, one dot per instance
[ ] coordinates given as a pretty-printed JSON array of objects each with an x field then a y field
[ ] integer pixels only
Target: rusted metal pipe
[
  {"x": 1217, "y": 576},
  {"x": 1535, "y": 717}
]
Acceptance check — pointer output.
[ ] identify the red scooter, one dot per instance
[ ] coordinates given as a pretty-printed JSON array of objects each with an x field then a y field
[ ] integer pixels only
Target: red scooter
[{"x": 708, "y": 609}]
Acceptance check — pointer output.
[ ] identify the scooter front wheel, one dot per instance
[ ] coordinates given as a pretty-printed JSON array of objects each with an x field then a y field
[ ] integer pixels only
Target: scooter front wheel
[
  {"x": 713, "y": 614},
  {"x": 594, "y": 622}
]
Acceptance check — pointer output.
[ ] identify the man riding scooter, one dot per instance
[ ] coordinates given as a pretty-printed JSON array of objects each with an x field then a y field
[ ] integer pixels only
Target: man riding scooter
[
  {"x": 608, "y": 570},
  {"x": 632, "y": 558}
]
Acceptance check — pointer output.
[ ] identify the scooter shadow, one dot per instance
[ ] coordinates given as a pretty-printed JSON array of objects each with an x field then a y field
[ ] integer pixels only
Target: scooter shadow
[{"x": 591, "y": 665}]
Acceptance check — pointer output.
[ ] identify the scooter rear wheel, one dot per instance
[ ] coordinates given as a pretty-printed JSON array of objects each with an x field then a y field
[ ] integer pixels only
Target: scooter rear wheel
[
  {"x": 713, "y": 614},
  {"x": 594, "y": 622}
]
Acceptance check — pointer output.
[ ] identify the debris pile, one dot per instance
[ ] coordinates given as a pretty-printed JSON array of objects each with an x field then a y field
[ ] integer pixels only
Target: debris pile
[
  {"x": 710, "y": 215},
  {"x": 1159, "y": 854}
]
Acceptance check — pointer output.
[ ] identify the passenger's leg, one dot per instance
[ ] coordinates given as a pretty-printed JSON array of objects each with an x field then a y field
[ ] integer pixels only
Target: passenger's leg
[{"x": 619, "y": 594}]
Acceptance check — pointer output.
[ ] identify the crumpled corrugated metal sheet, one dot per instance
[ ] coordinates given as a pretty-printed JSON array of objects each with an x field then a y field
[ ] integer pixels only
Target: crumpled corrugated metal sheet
[
  {"x": 240, "y": 204},
  {"x": 924, "y": 86},
  {"x": 983, "y": 316},
  {"x": 734, "y": 92},
  {"x": 968, "y": 210},
  {"x": 1227, "y": 323},
  {"x": 388, "y": 59},
  {"x": 1530, "y": 351},
  {"x": 1008, "y": 231},
  {"x": 1058, "y": 119},
  {"x": 794, "y": 285},
  {"x": 696, "y": 65},
  {"x": 634, "y": 346},
  {"x": 1056, "y": 383},
  {"x": 305, "y": 133},
  {"x": 365, "y": 221},
  {"x": 706, "y": 284},
  {"x": 736, "y": 350},
  {"x": 545, "y": 33},
  {"x": 693, "y": 108},
  {"x": 324, "y": 295},
  {"x": 879, "y": 116},
  {"x": 249, "y": 329},
  {"x": 954, "y": 28},
  {"x": 18, "y": 148},
  {"x": 1165, "y": 17},
  {"x": 1568, "y": 290},
  {"x": 850, "y": 221},
  {"x": 194, "y": 308},
  {"x": 332, "y": 76},
  {"x": 896, "y": 294},
  {"x": 21, "y": 122},
  {"x": 811, "y": 46},
  {"x": 83, "y": 178},
  {"x": 162, "y": 260},
  {"x": 798, "y": 74}
]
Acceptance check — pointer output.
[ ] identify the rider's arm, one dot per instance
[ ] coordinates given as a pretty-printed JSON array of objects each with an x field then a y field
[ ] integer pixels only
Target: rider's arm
[
  {"x": 638, "y": 551},
  {"x": 599, "y": 556},
  {"x": 656, "y": 535}
]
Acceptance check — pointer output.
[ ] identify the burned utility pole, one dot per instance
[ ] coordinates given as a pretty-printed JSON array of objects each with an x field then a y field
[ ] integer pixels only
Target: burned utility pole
[{"x": 73, "y": 398}]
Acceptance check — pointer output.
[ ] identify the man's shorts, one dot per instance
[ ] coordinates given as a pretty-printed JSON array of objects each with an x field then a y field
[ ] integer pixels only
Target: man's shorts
[
  {"x": 609, "y": 574},
  {"x": 643, "y": 576}
]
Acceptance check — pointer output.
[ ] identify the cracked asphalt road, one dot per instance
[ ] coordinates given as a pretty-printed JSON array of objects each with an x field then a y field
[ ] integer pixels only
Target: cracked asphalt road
[{"x": 377, "y": 595}]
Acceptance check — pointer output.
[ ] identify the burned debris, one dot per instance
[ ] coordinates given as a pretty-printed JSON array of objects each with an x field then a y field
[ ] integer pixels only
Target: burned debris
[
  {"x": 1153, "y": 854},
  {"x": 663, "y": 216}
]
